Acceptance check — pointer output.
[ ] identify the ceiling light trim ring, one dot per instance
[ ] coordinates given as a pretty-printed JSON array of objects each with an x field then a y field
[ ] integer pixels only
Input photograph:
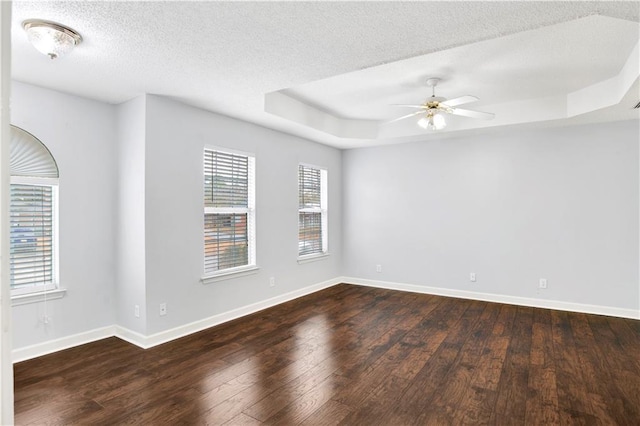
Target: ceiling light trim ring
[
  {"x": 32, "y": 23},
  {"x": 51, "y": 45}
]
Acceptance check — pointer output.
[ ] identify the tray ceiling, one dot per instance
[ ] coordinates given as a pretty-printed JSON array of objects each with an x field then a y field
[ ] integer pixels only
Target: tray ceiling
[{"x": 327, "y": 71}]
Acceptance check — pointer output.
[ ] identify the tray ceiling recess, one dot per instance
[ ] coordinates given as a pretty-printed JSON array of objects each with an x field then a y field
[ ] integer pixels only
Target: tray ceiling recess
[{"x": 583, "y": 70}]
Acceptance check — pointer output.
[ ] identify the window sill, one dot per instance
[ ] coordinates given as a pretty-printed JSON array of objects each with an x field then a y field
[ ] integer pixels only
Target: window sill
[
  {"x": 232, "y": 273},
  {"x": 41, "y": 296},
  {"x": 312, "y": 258}
]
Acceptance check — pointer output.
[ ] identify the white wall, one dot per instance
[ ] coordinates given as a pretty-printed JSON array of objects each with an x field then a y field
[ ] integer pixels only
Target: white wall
[
  {"x": 512, "y": 207},
  {"x": 130, "y": 249},
  {"x": 175, "y": 138},
  {"x": 80, "y": 134},
  {"x": 131, "y": 213}
]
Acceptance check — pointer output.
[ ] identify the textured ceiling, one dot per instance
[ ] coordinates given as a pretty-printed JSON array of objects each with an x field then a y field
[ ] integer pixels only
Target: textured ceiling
[{"x": 226, "y": 56}]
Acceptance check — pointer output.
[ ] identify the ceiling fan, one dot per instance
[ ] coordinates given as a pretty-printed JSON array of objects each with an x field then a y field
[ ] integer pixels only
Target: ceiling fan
[{"x": 433, "y": 107}]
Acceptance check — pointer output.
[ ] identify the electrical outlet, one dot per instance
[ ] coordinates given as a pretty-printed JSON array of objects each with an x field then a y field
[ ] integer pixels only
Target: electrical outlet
[
  {"x": 378, "y": 268},
  {"x": 542, "y": 283},
  {"x": 472, "y": 277},
  {"x": 272, "y": 282},
  {"x": 136, "y": 311},
  {"x": 163, "y": 309}
]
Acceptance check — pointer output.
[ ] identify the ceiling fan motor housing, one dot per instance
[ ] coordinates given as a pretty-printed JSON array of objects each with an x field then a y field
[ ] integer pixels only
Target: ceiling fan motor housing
[{"x": 434, "y": 101}]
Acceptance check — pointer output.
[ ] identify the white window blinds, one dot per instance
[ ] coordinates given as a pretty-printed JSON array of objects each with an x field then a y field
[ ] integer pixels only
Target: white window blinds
[
  {"x": 29, "y": 157},
  {"x": 32, "y": 214},
  {"x": 312, "y": 210},
  {"x": 226, "y": 179},
  {"x": 229, "y": 214},
  {"x": 31, "y": 233}
]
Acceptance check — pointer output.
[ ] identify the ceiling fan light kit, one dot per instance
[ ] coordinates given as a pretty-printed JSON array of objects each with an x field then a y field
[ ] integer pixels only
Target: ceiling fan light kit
[
  {"x": 433, "y": 108},
  {"x": 432, "y": 122},
  {"x": 51, "y": 38}
]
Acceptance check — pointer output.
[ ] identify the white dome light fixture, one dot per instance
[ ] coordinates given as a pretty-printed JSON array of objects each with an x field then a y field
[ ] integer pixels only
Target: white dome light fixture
[{"x": 51, "y": 38}]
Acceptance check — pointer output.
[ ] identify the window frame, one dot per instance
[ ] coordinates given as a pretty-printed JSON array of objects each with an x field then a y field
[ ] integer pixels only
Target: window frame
[
  {"x": 54, "y": 285},
  {"x": 324, "y": 214},
  {"x": 250, "y": 211}
]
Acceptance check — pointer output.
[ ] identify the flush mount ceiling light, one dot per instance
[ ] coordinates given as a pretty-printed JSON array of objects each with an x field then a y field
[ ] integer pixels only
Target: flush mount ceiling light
[{"x": 51, "y": 38}]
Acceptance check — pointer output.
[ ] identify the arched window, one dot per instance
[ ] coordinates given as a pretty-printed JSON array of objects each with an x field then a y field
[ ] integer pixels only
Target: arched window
[{"x": 33, "y": 215}]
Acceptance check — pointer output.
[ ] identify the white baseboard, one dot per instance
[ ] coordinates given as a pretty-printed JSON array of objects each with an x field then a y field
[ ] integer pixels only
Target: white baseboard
[
  {"x": 184, "y": 330},
  {"x": 40, "y": 349},
  {"x": 498, "y": 298},
  {"x": 145, "y": 342},
  {"x": 138, "y": 339}
]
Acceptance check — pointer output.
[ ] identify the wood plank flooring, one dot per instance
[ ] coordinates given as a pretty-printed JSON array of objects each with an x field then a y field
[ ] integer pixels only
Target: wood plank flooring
[{"x": 355, "y": 356}]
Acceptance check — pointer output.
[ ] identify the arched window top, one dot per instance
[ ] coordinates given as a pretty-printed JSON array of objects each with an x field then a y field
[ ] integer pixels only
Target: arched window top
[{"x": 29, "y": 157}]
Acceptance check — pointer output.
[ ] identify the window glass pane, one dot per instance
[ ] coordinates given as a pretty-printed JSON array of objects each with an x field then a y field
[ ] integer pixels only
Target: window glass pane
[
  {"x": 31, "y": 235},
  {"x": 225, "y": 241},
  {"x": 229, "y": 218},
  {"x": 309, "y": 233},
  {"x": 311, "y": 210},
  {"x": 309, "y": 187},
  {"x": 226, "y": 179}
]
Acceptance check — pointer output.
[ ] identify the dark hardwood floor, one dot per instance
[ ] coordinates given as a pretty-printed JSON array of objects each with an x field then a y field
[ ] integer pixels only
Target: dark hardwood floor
[{"x": 356, "y": 356}]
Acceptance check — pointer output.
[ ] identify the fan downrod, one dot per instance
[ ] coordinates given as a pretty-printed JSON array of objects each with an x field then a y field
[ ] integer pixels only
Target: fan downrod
[{"x": 433, "y": 82}]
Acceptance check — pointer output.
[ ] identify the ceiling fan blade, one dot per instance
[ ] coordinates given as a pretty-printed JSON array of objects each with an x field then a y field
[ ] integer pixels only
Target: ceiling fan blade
[
  {"x": 472, "y": 114},
  {"x": 408, "y": 106},
  {"x": 403, "y": 117},
  {"x": 459, "y": 101}
]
